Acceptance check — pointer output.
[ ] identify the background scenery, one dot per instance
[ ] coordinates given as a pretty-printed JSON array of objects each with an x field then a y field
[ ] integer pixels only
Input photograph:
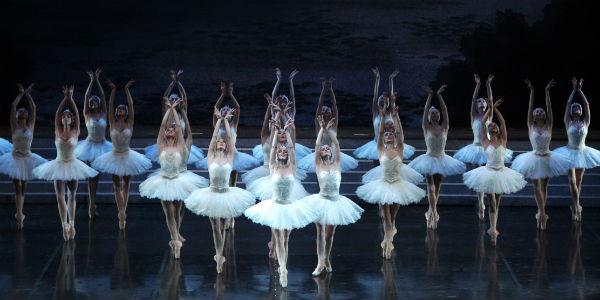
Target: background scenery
[{"x": 53, "y": 43}]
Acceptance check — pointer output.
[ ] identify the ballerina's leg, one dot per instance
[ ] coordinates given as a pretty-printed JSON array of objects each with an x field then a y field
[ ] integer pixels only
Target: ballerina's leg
[
  {"x": 92, "y": 189},
  {"x": 59, "y": 188},
  {"x": 72, "y": 205},
  {"x": 320, "y": 250},
  {"x": 329, "y": 233},
  {"x": 118, "y": 187},
  {"x": 494, "y": 210},
  {"x": 218, "y": 239},
  {"x": 19, "y": 200},
  {"x": 175, "y": 243}
]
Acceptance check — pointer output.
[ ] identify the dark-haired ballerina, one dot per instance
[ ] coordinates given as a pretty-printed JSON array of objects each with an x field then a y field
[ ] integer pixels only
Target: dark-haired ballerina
[
  {"x": 435, "y": 164},
  {"x": 66, "y": 169},
  {"x": 19, "y": 164},
  {"x": 121, "y": 162},
  {"x": 540, "y": 164},
  {"x": 577, "y": 120},
  {"x": 95, "y": 144}
]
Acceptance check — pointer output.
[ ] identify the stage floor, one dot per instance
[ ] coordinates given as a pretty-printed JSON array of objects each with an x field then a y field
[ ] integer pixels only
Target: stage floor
[{"x": 456, "y": 261}]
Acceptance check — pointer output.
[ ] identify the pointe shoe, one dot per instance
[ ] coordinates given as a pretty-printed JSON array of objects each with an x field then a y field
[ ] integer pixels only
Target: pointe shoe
[
  {"x": 328, "y": 267},
  {"x": 388, "y": 250},
  {"x": 219, "y": 259},
  {"x": 283, "y": 276},
  {"x": 122, "y": 221},
  {"x": 541, "y": 221},
  {"x": 176, "y": 248},
  {"x": 92, "y": 211},
  {"x": 576, "y": 213},
  {"x": 383, "y": 247},
  {"x": 493, "y": 235},
  {"x": 319, "y": 269},
  {"x": 72, "y": 232},
  {"x": 272, "y": 251},
  {"x": 481, "y": 212},
  {"x": 20, "y": 219},
  {"x": 66, "y": 231}
]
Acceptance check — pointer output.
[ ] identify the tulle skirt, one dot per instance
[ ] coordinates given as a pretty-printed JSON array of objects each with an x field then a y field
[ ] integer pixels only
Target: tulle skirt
[
  {"x": 128, "y": 163},
  {"x": 196, "y": 154},
  {"x": 214, "y": 204},
  {"x": 585, "y": 158},
  {"x": 89, "y": 151},
  {"x": 241, "y": 161},
  {"x": 406, "y": 173},
  {"x": 301, "y": 151},
  {"x": 494, "y": 181},
  {"x": 369, "y": 151},
  {"x": 263, "y": 171},
  {"x": 5, "y": 146},
  {"x": 444, "y": 165},
  {"x": 347, "y": 162},
  {"x": 64, "y": 170},
  {"x": 339, "y": 210},
  {"x": 179, "y": 188},
  {"x": 20, "y": 167},
  {"x": 534, "y": 166},
  {"x": 295, "y": 214},
  {"x": 475, "y": 154},
  {"x": 262, "y": 189},
  {"x": 380, "y": 191}
]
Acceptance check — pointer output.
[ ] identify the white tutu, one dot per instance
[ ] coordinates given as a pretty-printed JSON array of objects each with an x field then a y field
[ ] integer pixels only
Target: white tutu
[
  {"x": 534, "y": 166},
  {"x": 196, "y": 154},
  {"x": 494, "y": 181},
  {"x": 369, "y": 151},
  {"x": 444, "y": 165},
  {"x": 301, "y": 151},
  {"x": 291, "y": 215},
  {"x": 20, "y": 167},
  {"x": 179, "y": 188},
  {"x": 262, "y": 188},
  {"x": 380, "y": 191},
  {"x": 475, "y": 154},
  {"x": 73, "y": 169},
  {"x": 584, "y": 158},
  {"x": 241, "y": 161},
  {"x": 338, "y": 211},
  {"x": 128, "y": 163},
  {"x": 263, "y": 171},
  {"x": 219, "y": 204},
  {"x": 89, "y": 151},
  {"x": 406, "y": 173},
  {"x": 347, "y": 162},
  {"x": 5, "y": 146}
]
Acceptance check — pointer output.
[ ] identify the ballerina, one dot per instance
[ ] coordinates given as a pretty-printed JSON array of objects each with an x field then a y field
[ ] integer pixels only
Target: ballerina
[
  {"x": 475, "y": 153},
  {"x": 259, "y": 151},
  {"x": 347, "y": 162},
  {"x": 391, "y": 190},
  {"x": 280, "y": 212},
  {"x": 19, "y": 164},
  {"x": 220, "y": 202},
  {"x": 66, "y": 169},
  {"x": 334, "y": 208},
  {"x": 577, "y": 120},
  {"x": 369, "y": 150},
  {"x": 196, "y": 154},
  {"x": 121, "y": 162},
  {"x": 435, "y": 164},
  {"x": 494, "y": 178},
  {"x": 540, "y": 164},
  {"x": 173, "y": 183},
  {"x": 94, "y": 114}
]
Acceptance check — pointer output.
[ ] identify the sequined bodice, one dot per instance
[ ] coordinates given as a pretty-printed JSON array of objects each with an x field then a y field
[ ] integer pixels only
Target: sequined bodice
[
  {"x": 219, "y": 176},
  {"x": 329, "y": 183},
  {"x": 170, "y": 162},
  {"x": 120, "y": 139},
  {"x": 577, "y": 136},
  {"x": 435, "y": 142},
  {"x": 391, "y": 168},
  {"x": 282, "y": 186},
  {"x": 495, "y": 157},
  {"x": 65, "y": 149},
  {"x": 476, "y": 127},
  {"x": 21, "y": 140},
  {"x": 266, "y": 149},
  {"x": 96, "y": 129},
  {"x": 540, "y": 142}
]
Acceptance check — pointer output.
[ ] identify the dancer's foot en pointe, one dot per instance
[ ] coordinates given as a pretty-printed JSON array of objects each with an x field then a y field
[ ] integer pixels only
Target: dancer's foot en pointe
[
  {"x": 494, "y": 233},
  {"x": 92, "y": 210},
  {"x": 219, "y": 259},
  {"x": 283, "y": 276},
  {"x": 328, "y": 267},
  {"x": 175, "y": 248},
  {"x": 541, "y": 221},
  {"x": 432, "y": 218},
  {"x": 20, "y": 218},
  {"x": 122, "y": 221},
  {"x": 576, "y": 212},
  {"x": 319, "y": 269},
  {"x": 66, "y": 231}
]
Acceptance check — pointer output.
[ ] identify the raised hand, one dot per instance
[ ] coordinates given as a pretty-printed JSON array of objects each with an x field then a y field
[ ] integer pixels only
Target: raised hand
[
  {"x": 442, "y": 88},
  {"x": 71, "y": 90},
  {"x": 550, "y": 84},
  {"x": 498, "y": 103},
  {"x": 330, "y": 123},
  {"x": 223, "y": 86},
  {"x": 490, "y": 79},
  {"x": 217, "y": 113},
  {"x": 529, "y": 84},
  {"x": 129, "y": 83},
  {"x": 173, "y": 75},
  {"x": 321, "y": 121},
  {"x": 91, "y": 74},
  {"x": 111, "y": 85},
  {"x": 178, "y": 75},
  {"x": 269, "y": 99},
  {"x": 29, "y": 88},
  {"x": 375, "y": 71},
  {"x": 22, "y": 90},
  {"x": 289, "y": 123},
  {"x": 394, "y": 74},
  {"x": 230, "y": 89},
  {"x": 323, "y": 82},
  {"x": 293, "y": 74},
  {"x": 477, "y": 80},
  {"x": 330, "y": 83},
  {"x": 229, "y": 114},
  {"x": 580, "y": 85},
  {"x": 574, "y": 82},
  {"x": 278, "y": 73},
  {"x": 97, "y": 73}
]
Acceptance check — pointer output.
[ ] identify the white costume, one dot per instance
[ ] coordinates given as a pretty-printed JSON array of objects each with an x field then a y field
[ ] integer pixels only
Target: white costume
[
  {"x": 581, "y": 156},
  {"x": 241, "y": 160},
  {"x": 219, "y": 200},
  {"x": 474, "y": 153},
  {"x": 263, "y": 170},
  {"x": 95, "y": 144},
  {"x": 259, "y": 153},
  {"x": 369, "y": 150},
  {"x": 195, "y": 156},
  {"x": 540, "y": 162},
  {"x": 122, "y": 161},
  {"x": 494, "y": 177},
  {"x": 391, "y": 188},
  {"x": 334, "y": 209},
  {"x": 65, "y": 166},
  {"x": 436, "y": 161},
  {"x": 20, "y": 163}
]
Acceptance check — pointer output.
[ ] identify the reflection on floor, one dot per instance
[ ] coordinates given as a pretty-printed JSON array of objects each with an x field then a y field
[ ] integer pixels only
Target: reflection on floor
[{"x": 455, "y": 261}]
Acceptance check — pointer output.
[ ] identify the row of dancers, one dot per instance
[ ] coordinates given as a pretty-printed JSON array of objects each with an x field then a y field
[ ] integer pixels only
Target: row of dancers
[{"x": 285, "y": 204}]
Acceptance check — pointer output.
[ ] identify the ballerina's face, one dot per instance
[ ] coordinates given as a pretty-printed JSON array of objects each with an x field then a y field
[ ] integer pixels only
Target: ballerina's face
[
  {"x": 325, "y": 152},
  {"x": 282, "y": 153},
  {"x": 66, "y": 118},
  {"x": 326, "y": 113},
  {"x": 170, "y": 132},
  {"x": 576, "y": 110},
  {"x": 281, "y": 136},
  {"x": 22, "y": 114},
  {"x": 388, "y": 137},
  {"x": 221, "y": 145},
  {"x": 493, "y": 128},
  {"x": 121, "y": 112},
  {"x": 434, "y": 115},
  {"x": 539, "y": 114},
  {"x": 94, "y": 102},
  {"x": 481, "y": 105}
]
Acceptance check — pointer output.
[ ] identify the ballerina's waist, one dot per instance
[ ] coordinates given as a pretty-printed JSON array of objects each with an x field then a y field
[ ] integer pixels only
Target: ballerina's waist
[
  {"x": 541, "y": 152},
  {"x": 217, "y": 189},
  {"x": 436, "y": 153},
  {"x": 121, "y": 150},
  {"x": 495, "y": 166},
  {"x": 96, "y": 139},
  {"x": 329, "y": 196},
  {"x": 21, "y": 153}
]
